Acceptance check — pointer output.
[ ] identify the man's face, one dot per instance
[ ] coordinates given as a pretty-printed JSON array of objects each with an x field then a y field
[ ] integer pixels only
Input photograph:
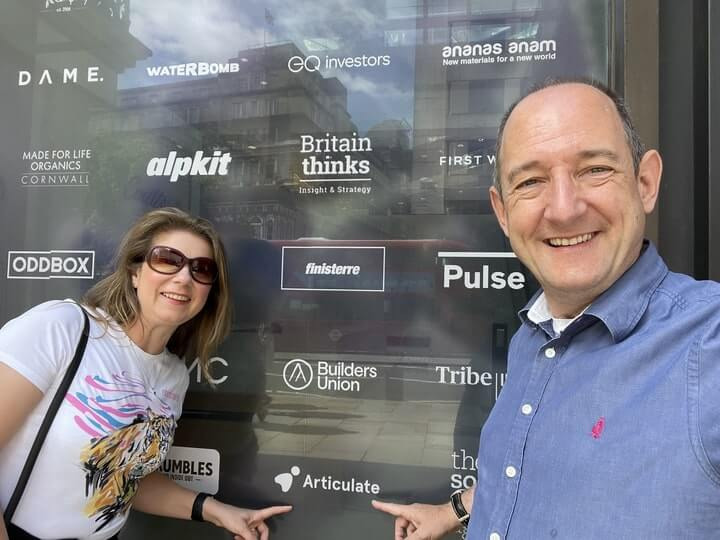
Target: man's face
[{"x": 572, "y": 206}]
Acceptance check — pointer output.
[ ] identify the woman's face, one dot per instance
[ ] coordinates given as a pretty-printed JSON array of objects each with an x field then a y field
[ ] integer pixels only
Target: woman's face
[{"x": 169, "y": 300}]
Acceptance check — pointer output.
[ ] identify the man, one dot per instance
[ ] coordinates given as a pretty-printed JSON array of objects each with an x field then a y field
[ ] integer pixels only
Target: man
[{"x": 607, "y": 426}]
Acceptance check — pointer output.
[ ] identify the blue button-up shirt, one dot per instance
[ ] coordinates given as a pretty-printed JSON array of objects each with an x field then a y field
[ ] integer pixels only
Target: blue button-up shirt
[{"x": 611, "y": 429}]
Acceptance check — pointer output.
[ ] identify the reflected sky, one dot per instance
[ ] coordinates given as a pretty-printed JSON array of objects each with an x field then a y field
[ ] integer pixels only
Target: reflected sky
[{"x": 216, "y": 30}]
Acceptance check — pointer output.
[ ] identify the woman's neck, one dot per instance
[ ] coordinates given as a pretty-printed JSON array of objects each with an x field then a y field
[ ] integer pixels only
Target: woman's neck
[{"x": 152, "y": 340}]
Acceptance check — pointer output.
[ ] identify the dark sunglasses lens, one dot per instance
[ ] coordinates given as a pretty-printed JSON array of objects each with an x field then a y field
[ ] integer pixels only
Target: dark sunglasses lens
[
  {"x": 166, "y": 261},
  {"x": 204, "y": 270}
]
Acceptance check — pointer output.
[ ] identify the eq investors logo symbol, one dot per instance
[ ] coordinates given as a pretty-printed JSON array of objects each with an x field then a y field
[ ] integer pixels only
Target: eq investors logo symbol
[
  {"x": 285, "y": 480},
  {"x": 298, "y": 374},
  {"x": 297, "y": 64}
]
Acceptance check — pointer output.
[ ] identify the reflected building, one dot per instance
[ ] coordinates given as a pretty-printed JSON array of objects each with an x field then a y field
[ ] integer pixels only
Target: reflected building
[
  {"x": 258, "y": 114},
  {"x": 59, "y": 61},
  {"x": 473, "y": 58}
]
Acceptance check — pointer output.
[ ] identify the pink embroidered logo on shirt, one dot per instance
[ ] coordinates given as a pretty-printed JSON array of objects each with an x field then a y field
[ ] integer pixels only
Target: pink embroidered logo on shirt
[{"x": 598, "y": 428}]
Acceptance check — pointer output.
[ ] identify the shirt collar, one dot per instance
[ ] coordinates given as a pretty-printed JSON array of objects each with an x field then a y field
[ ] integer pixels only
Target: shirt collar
[
  {"x": 539, "y": 312},
  {"x": 621, "y": 306}
]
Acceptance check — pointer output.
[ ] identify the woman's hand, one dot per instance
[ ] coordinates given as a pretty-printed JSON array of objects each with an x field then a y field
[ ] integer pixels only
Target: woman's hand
[{"x": 244, "y": 523}]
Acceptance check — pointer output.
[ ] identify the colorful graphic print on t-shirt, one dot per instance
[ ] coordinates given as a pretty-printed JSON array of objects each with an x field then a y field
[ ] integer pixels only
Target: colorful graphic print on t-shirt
[{"x": 129, "y": 440}]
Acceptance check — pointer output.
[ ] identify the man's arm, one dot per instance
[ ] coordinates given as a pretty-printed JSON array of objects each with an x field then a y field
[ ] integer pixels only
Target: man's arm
[{"x": 424, "y": 521}]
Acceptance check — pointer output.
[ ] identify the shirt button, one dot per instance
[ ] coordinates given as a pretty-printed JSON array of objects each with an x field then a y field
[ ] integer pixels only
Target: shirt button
[
  {"x": 550, "y": 352},
  {"x": 510, "y": 471},
  {"x": 526, "y": 409},
  {"x": 495, "y": 536}
]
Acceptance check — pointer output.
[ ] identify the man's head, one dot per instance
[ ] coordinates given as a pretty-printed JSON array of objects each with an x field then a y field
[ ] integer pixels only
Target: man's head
[
  {"x": 573, "y": 188},
  {"x": 637, "y": 148}
]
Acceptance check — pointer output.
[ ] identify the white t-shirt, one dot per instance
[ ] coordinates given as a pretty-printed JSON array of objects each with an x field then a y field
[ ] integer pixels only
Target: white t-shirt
[{"x": 115, "y": 425}]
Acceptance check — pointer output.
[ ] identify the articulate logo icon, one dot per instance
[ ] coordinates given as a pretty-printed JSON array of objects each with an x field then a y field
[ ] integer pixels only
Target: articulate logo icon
[
  {"x": 51, "y": 264},
  {"x": 285, "y": 480},
  {"x": 298, "y": 374}
]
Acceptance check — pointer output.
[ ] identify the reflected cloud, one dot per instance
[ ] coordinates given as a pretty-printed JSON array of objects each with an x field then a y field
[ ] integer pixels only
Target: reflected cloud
[
  {"x": 340, "y": 21},
  {"x": 217, "y": 29},
  {"x": 360, "y": 84},
  {"x": 212, "y": 31}
]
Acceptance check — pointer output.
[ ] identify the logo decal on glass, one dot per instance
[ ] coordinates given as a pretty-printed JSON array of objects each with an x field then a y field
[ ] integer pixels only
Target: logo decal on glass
[
  {"x": 285, "y": 480},
  {"x": 298, "y": 374}
]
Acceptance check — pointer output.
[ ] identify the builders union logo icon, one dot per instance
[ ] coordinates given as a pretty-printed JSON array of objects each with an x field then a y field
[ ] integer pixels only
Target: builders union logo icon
[
  {"x": 298, "y": 374},
  {"x": 285, "y": 480}
]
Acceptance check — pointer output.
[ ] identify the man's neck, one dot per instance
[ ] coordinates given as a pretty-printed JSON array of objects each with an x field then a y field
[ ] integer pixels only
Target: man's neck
[
  {"x": 564, "y": 304},
  {"x": 567, "y": 309}
]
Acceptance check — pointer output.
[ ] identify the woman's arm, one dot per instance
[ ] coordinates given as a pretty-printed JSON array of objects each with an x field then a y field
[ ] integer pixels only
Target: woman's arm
[
  {"x": 18, "y": 398},
  {"x": 159, "y": 495}
]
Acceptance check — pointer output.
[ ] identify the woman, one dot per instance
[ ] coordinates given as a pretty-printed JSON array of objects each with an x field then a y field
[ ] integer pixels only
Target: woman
[{"x": 167, "y": 301}]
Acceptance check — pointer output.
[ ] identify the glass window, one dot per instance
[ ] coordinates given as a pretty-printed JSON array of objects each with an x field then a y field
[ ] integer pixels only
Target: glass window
[
  {"x": 401, "y": 9},
  {"x": 355, "y": 128},
  {"x": 504, "y": 6},
  {"x": 446, "y": 7},
  {"x": 401, "y": 37},
  {"x": 486, "y": 96}
]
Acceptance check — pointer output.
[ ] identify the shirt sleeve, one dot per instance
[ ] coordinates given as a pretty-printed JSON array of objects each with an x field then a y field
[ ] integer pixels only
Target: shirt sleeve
[
  {"x": 40, "y": 343},
  {"x": 704, "y": 374},
  {"x": 182, "y": 387}
]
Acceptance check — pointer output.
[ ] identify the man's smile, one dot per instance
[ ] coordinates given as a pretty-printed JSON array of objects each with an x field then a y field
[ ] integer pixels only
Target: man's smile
[{"x": 562, "y": 241}]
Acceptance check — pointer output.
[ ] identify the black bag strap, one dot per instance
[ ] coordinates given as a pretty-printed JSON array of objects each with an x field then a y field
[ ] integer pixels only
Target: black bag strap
[{"x": 48, "y": 420}]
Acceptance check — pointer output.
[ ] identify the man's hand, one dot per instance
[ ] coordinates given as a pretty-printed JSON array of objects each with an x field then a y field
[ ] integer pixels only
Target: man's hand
[{"x": 420, "y": 521}]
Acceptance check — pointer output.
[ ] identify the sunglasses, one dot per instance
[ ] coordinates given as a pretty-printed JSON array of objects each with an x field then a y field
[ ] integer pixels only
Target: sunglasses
[{"x": 166, "y": 260}]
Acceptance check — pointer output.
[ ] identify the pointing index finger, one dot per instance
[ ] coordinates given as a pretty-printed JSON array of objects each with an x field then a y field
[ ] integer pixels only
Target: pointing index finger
[
  {"x": 394, "y": 509},
  {"x": 264, "y": 513}
]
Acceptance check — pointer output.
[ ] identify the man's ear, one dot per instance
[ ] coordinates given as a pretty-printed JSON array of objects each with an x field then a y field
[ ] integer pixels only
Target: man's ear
[
  {"x": 649, "y": 174},
  {"x": 499, "y": 208}
]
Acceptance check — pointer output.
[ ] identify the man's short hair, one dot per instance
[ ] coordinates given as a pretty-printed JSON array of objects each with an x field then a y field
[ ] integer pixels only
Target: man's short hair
[{"x": 637, "y": 149}]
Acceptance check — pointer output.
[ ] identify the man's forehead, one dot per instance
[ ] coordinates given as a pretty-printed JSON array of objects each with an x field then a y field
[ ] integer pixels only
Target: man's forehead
[
  {"x": 562, "y": 99},
  {"x": 562, "y": 110}
]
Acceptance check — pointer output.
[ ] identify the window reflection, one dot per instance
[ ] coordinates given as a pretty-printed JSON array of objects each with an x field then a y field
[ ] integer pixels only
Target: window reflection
[{"x": 256, "y": 80}]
